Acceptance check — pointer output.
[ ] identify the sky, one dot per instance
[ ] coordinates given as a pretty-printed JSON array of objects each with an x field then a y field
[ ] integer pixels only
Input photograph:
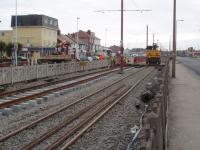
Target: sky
[{"x": 159, "y": 19}]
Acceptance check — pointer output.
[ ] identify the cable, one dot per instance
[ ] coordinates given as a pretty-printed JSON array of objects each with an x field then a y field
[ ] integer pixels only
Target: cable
[{"x": 136, "y": 130}]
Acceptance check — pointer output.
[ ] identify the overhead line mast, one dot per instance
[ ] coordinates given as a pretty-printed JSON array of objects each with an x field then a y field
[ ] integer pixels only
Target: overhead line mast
[{"x": 122, "y": 29}]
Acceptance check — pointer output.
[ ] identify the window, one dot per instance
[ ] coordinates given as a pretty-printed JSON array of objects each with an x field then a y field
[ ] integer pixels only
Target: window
[
  {"x": 55, "y": 23},
  {"x": 51, "y": 22},
  {"x": 46, "y": 21}
]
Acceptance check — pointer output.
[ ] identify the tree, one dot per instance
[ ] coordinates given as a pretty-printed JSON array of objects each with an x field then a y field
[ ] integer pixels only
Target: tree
[
  {"x": 9, "y": 49},
  {"x": 2, "y": 48},
  {"x": 20, "y": 46}
]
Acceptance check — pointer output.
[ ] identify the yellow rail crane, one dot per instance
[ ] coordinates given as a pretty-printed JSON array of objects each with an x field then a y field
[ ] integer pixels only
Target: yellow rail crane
[{"x": 153, "y": 55}]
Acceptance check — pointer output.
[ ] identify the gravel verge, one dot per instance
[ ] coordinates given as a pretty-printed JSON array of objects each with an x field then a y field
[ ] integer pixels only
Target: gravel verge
[{"x": 112, "y": 132}]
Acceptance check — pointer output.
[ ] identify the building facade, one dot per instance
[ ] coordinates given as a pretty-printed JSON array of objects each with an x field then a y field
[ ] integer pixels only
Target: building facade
[
  {"x": 36, "y": 32},
  {"x": 6, "y": 36},
  {"x": 87, "y": 41}
]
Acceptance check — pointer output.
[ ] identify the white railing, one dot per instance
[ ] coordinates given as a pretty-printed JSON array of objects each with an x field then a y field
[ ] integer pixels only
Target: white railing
[{"x": 10, "y": 75}]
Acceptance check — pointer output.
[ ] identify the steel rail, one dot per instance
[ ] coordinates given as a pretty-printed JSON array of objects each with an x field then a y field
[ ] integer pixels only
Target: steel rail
[
  {"x": 101, "y": 113},
  {"x": 81, "y": 124},
  {"x": 3, "y": 94},
  {"x": 66, "y": 122},
  {"x": 13, "y": 133},
  {"x": 26, "y": 98}
]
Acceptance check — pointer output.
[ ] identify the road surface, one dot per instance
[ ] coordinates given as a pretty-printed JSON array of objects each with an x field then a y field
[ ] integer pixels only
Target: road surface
[{"x": 191, "y": 63}]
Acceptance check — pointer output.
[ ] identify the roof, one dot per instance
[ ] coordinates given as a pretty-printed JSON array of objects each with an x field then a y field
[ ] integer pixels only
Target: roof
[
  {"x": 35, "y": 20},
  {"x": 85, "y": 35},
  {"x": 115, "y": 48},
  {"x": 3, "y": 31},
  {"x": 65, "y": 39}
]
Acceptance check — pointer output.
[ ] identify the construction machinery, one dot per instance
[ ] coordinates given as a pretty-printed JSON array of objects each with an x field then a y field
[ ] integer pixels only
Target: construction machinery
[{"x": 153, "y": 55}]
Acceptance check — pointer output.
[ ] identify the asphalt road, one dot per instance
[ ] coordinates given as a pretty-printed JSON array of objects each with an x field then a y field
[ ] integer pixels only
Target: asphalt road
[{"x": 191, "y": 63}]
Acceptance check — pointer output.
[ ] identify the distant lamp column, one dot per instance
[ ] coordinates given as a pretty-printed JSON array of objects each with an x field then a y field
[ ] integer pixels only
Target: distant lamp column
[
  {"x": 174, "y": 42},
  {"x": 106, "y": 37},
  {"x": 77, "y": 50},
  {"x": 178, "y": 20},
  {"x": 16, "y": 35}
]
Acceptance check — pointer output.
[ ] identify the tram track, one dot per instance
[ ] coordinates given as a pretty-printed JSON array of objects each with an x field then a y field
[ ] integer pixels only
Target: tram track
[
  {"x": 34, "y": 124},
  {"x": 36, "y": 94}
]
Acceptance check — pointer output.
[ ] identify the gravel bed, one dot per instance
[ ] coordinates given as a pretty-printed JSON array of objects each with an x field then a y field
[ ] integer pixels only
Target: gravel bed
[
  {"x": 112, "y": 132},
  {"x": 52, "y": 139},
  {"x": 19, "y": 119}
]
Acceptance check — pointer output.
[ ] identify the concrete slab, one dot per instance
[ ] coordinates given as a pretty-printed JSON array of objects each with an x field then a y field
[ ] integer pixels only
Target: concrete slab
[
  {"x": 26, "y": 94},
  {"x": 16, "y": 108},
  {"x": 25, "y": 105},
  {"x": 18, "y": 96},
  {"x": 10, "y": 98},
  {"x": 6, "y": 111},
  {"x": 39, "y": 100},
  {"x": 1, "y": 115},
  {"x": 32, "y": 103},
  {"x": 3, "y": 101},
  {"x": 57, "y": 94},
  {"x": 32, "y": 92},
  {"x": 48, "y": 97},
  {"x": 51, "y": 95}
]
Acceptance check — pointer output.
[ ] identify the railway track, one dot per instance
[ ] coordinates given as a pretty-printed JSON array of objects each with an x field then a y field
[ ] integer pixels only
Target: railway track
[
  {"x": 48, "y": 88},
  {"x": 4, "y": 94},
  {"x": 102, "y": 104}
]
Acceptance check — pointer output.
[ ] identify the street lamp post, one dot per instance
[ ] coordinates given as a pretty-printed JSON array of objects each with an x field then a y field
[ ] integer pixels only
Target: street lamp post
[
  {"x": 106, "y": 37},
  {"x": 122, "y": 32},
  {"x": 178, "y": 20},
  {"x": 153, "y": 39},
  {"x": 77, "y": 50},
  {"x": 16, "y": 35},
  {"x": 174, "y": 42}
]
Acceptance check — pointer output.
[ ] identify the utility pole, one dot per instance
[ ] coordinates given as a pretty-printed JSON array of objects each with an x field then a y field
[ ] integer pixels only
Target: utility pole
[
  {"x": 147, "y": 43},
  {"x": 106, "y": 37},
  {"x": 16, "y": 34},
  {"x": 122, "y": 30},
  {"x": 153, "y": 38},
  {"x": 178, "y": 20},
  {"x": 169, "y": 43},
  {"x": 122, "y": 33},
  {"x": 77, "y": 49},
  {"x": 174, "y": 42}
]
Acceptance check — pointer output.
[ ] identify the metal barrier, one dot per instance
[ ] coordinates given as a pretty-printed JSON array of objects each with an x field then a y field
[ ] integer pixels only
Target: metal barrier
[
  {"x": 10, "y": 75},
  {"x": 153, "y": 124},
  {"x": 156, "y": 120}
]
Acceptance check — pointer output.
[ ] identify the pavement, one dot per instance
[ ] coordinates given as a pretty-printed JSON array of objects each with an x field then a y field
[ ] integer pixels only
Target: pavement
[{"x": 184, "y": 110}]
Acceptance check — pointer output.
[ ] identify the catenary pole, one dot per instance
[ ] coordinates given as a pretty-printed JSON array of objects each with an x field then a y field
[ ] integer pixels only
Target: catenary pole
[
  {"x": 122, "y": 32},
  {"x": 16, "y": 34},
  {"x": 174, "y": 42},
  {"x": 147, "y": 42},
  {"x": 77, "y": 49}
]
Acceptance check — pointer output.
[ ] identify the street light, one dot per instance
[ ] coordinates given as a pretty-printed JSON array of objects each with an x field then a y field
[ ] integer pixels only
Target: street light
[
  {"x": 122, "y": 34},
  {"x": 77, "y": 50},
  {"x": 106, "y": 37},
  {"x": 16, "y": 40},
  {"x": 174, "y": 42},
  {"x": 178, "y": 20}
]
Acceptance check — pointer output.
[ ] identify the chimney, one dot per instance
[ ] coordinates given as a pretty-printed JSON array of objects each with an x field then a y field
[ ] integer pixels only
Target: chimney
[
  {"x": 89, "y": 32},
  {"x": 58, "y": 32}
]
